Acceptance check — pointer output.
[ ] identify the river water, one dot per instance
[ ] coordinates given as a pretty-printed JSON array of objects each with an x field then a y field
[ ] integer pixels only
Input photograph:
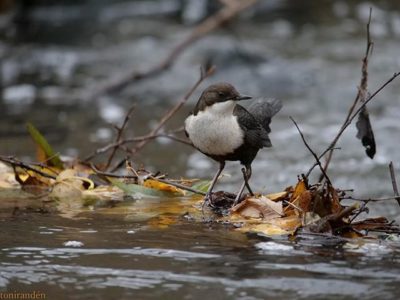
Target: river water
[{"x": 308, "y": 55}]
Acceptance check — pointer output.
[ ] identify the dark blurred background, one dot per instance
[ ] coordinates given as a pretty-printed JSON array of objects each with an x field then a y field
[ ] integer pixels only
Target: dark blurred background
[{"x": 307, "y": 53}]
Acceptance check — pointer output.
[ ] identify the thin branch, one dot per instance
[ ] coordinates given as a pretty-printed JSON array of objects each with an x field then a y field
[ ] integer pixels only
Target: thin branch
[
  {"x": 394, "y": 183},
  {"x": 348, "y": 121},
  {"x": 109, "y": 174},
  {"x": 320, "y": 157},
  {"x": 361, "y": 94},
  {"x": 178, "y": 185},
  {"x": 294, "y": 206},
  {"x": 362, "y": 209},
  {"x": 210, "y": 24},
  {"x": 17, "y": 163},
  {"x": 369, "y": 199},
  {"x": 143, "y": 140},
  {"x": 120, "y": 131},
  {"x": 119, "y": 144},
  {"x": 312, "y": 152},
  {"x": 173, "y": 110}
]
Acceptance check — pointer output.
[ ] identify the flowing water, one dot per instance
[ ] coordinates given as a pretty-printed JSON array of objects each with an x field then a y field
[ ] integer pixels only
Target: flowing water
[
  {"x": 308, "y": 55},
  {"x": 111, "y": 256}
]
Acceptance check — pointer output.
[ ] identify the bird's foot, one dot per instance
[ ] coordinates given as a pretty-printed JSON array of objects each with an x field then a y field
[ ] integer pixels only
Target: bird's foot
[
  {"x": 207, "y": 201},
  {"x": 237, "y": 200}
]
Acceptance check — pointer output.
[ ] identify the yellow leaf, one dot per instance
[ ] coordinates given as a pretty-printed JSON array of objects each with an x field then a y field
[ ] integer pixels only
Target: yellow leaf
[
  {"x": 277, "y": 226},
  {"x": 277, "y": 196},
  {"x": 154, "y": 184}
]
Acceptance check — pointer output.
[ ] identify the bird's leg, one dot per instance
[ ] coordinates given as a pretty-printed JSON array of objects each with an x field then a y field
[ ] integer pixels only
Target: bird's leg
[
  {"x": 207, "y": 197},
  {"x": 246, "y": 176}
]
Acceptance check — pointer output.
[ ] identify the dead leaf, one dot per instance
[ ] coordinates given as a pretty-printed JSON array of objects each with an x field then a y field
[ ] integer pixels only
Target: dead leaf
[
  {"x": 278, "y": 196},
  {"x": 301, "y": 203},
  {"x": 299, "y": 189},
  {"x": 277, "y": 226},
  {"x": 336, "y": 207},
  {"x": 154, "y": 184},
  {"x": 33, "y": 185},
  {"x": 262, "y": 208},
  {"x": 70, "y": 186},
  {"x": 365, "y": 132}
]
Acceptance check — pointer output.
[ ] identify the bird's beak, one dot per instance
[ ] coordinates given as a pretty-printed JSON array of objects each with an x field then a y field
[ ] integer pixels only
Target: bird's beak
[{"x": 242, "y": 97}]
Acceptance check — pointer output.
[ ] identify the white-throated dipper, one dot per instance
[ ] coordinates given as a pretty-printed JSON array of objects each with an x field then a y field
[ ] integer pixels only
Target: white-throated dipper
[{"x": 224, "y": 130}]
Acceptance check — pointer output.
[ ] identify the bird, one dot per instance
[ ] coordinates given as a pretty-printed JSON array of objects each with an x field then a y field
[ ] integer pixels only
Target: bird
[{"x": 226, "y": 131}]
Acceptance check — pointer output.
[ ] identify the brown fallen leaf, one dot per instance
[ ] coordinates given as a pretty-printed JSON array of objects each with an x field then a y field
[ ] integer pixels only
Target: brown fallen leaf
[
  {"x": 300, "y": 204},
  {"x": 262, "y": 208},
  {"x": 299, "y": 189},
  {"x": 336, "y": 207}
]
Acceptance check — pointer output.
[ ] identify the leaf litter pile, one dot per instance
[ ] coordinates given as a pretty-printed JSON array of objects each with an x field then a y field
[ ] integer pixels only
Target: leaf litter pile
[{"x": 70, "y": 187}]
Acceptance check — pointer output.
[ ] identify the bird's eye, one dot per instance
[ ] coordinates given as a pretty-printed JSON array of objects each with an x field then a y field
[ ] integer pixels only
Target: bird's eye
[{"x": 221, "y": 94}]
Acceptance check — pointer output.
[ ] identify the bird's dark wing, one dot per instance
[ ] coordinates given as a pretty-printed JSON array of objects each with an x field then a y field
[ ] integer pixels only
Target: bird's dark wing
[
  {"x": 255, "y": 135},
  {"x": 264, "y": 109}
]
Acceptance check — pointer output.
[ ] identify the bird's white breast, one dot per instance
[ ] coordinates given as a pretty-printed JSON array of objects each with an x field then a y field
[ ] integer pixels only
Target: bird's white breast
[{"x": 215, "y": 130}]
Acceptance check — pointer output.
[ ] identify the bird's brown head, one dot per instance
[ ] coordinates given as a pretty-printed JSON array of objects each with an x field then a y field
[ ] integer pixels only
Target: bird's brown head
[{"x": 219, "y": 92}]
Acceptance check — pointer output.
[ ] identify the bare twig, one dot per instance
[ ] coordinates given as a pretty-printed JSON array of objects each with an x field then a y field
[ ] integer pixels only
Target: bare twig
[
  {"x": 109, "y": 174},
  {"x": 349, "y": 120},
  {"x": 226, "y": 13},
  {"x": 320, "y": 157},
  {"x": 294, "y": 206},
  {"x": 119, "y": 144},
  {"x": 120, "y": 131},
  {"x": 17, "y": 163},
  {"x": 312, "y": 152},
  {"x": 360, "y": 97},
  {"x": 143, "y": 140},
  {"x": 178, "y": 185},
  {"x": 362, "y": 209},
  {"x": 394, "y": 183},
  {"x": 173, "y": 110},
  {"x": 369, "y": 199}
]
